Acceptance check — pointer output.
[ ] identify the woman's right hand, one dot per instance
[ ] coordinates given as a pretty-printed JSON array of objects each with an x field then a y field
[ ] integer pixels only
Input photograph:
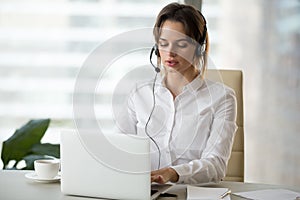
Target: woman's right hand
[{"x": 164, "y": 175}]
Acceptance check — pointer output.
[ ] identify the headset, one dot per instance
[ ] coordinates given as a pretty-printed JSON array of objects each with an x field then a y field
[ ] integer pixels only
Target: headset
[
  {"x": 155, "y": 50},
  {"x": 198, "y": 52}
]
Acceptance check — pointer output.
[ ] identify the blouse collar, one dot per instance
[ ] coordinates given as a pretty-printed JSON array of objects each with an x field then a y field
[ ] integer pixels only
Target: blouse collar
[{"x": 193, "y": 86}]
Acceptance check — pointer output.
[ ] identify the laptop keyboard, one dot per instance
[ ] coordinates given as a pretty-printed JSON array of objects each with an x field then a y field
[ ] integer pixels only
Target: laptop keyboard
[{"x": 153, "y": 192}]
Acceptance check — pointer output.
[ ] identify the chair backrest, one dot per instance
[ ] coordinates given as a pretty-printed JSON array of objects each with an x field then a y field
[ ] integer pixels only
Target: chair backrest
[{"x": 234, "y": 79}]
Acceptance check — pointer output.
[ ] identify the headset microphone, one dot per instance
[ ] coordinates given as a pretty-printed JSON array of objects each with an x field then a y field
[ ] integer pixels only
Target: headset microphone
[{"x": 154, "y": 48}]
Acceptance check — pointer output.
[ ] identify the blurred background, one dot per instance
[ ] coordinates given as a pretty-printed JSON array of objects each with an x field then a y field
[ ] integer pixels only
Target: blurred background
[{"x": 44, "y": 43}]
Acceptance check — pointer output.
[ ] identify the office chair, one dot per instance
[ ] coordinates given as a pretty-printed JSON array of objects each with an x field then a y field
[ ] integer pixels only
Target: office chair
[{"x": 233, "y": 79}]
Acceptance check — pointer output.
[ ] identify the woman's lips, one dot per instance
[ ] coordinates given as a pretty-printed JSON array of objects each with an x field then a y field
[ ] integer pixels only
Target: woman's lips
[{"x": 171, "y": 63}]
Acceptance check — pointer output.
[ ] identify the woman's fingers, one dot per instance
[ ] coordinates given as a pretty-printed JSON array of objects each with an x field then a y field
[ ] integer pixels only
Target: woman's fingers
[
  {"x": 158, "y": 179},
  {"x": 164, "y": 175}
]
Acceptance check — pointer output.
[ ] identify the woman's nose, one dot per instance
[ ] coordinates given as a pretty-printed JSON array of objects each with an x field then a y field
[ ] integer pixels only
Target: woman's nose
[{"x": 171, "y": 50}]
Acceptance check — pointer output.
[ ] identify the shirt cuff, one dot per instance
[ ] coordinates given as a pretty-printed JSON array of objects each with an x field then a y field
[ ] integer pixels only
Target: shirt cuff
[{"x": 181, "y": 171}]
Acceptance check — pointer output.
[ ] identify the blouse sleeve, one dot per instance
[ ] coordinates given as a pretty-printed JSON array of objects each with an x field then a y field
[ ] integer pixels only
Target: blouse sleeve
[
  {"x": 211, "y": 167},
  {"x": 126, "y": 120}
]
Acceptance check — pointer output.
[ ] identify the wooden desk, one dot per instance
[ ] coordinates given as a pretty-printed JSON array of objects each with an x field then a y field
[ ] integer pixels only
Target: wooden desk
[{"x": 14, "y": 186}]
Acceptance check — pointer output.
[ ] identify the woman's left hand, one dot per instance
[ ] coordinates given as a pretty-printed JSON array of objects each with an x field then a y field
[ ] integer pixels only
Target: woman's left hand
[{"x": 164, "y": 175}]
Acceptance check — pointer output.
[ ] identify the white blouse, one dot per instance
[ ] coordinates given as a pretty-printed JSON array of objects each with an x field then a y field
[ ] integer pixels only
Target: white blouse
[{"x": 194, "y": 131}]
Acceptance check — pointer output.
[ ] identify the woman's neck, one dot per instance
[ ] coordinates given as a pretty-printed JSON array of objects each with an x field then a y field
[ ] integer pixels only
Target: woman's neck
[{"x": 175, "y": 81}]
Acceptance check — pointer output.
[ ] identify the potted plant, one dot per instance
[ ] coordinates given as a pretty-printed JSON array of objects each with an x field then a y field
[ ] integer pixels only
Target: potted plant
[{"x": 25, "y": 144}]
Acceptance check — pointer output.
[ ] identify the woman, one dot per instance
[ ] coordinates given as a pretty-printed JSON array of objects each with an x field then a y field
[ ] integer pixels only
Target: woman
[{"x": 190, "y": 120}]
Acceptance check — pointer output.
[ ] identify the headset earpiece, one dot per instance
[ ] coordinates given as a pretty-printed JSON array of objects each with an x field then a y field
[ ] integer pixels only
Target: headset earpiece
[
  {"x": 200, "y": 50},
  {"x": 201, "y": 46},
  {"x": 156, "y": 50}
]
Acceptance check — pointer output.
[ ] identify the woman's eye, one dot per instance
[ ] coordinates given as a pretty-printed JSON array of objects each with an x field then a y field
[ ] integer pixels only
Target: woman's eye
[
  {"x": 163, "y": 44},
  {"x": 182, "y": 44}
]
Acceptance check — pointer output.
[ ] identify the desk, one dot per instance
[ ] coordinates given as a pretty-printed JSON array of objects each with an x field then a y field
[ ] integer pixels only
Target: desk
[{"x": 14, "y": 186}]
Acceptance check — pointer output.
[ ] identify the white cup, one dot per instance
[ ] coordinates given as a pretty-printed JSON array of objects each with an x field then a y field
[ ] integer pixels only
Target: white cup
[{"x": 46, "y": 169}]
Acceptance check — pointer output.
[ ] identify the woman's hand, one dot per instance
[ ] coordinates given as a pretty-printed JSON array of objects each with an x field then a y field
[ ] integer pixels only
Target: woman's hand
[{"x": 164, "y": 175}]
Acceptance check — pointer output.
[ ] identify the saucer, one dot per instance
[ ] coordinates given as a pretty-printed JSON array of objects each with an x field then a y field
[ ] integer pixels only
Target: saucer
[{"x": 34, "y": 176}]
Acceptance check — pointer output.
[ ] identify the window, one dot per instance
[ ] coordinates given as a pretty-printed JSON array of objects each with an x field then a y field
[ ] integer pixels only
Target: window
[{"x": 42, "y": 47}]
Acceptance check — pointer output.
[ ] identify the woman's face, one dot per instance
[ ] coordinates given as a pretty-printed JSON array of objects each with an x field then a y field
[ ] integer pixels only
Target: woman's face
[{"x": 175, "y": 48}]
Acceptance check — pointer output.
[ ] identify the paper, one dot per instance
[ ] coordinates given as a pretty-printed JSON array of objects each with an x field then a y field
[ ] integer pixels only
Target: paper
[
  {"x": 271, "y": 194},
  {"x": 206, "y": 193}
]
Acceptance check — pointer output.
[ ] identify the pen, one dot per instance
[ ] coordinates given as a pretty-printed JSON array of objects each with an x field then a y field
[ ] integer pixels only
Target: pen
[{"x": 225, "y": 194}]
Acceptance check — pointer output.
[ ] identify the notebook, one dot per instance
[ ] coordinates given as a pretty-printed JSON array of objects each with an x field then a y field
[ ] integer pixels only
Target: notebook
[
  {"x": 269, "y": 194},
  {"x": 112, "y": 166},
  {"x": 206, "y": 193}
]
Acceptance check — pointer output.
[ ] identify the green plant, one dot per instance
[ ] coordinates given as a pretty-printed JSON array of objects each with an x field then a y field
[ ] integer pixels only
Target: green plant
[{"x": 25, "y": 144}]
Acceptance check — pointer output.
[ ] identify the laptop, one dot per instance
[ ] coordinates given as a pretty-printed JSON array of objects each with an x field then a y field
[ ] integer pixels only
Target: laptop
[{"x": 110, "y": 166}]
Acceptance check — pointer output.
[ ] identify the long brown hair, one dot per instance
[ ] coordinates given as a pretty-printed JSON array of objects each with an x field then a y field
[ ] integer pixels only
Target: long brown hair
[{"x": 193, "y": 22}]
